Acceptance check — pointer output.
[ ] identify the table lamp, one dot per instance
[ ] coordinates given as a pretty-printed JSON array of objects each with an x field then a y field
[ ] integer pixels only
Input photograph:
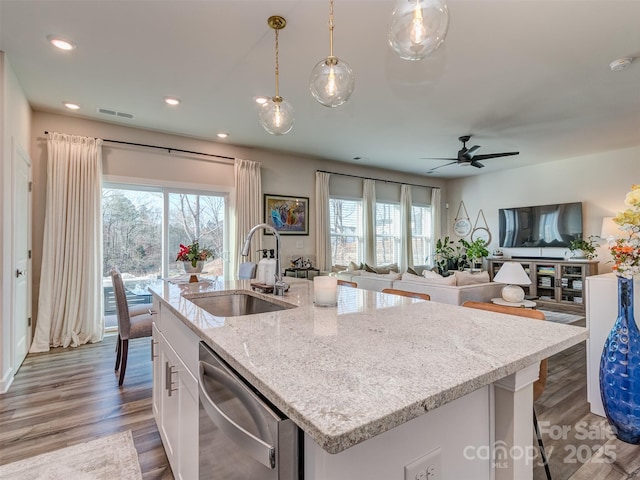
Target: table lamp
[{"x": 513, "y": 275}]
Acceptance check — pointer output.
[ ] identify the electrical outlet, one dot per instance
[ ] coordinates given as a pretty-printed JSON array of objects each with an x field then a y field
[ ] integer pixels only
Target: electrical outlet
[{"x": 427, "y": 467}]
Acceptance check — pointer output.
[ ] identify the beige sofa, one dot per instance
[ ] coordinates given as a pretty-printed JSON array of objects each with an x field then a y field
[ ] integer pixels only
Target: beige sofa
[{"x": 474, "y": 287}]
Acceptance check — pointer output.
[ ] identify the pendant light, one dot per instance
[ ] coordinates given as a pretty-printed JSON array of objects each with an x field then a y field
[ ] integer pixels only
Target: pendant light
[
  {"x": 418, "y": 27},
  {"x": 276, "y": 114},
  {"x": 332, "y": 80}
]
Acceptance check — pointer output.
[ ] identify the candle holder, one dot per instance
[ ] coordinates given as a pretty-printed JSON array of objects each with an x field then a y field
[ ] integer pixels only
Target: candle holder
[{"x": 325, "y": 291}]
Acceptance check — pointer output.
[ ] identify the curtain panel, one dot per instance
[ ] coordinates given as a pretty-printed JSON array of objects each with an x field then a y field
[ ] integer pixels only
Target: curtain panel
[
  {"x": 323, "y": 238},
  {"x": 436, "y": 221},
  {"x": 70, "y": 304},
  {"x": 248, "y": 205},
  {"x": 369, "y": 226},
  {"x": 406, "y": 240}
]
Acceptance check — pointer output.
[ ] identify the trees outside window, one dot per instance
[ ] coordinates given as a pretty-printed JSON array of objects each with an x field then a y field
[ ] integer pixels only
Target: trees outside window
[{"x": 345, "y": 217}]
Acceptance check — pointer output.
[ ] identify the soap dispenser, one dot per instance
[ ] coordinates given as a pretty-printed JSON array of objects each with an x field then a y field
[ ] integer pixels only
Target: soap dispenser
[
  {"x": 261, "y": 272},
  {"x": 270, "y": 268}
]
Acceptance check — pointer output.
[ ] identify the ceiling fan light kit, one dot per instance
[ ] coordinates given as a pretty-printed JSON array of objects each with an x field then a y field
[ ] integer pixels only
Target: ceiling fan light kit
[
  {"x": 332, "y": 80},
  {"x": 418, "y": 27},
  {"x": 276, "y": 114}
]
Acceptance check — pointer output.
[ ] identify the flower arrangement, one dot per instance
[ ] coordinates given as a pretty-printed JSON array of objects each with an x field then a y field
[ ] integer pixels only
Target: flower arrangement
[
  {"x": 193, "y": 253},
  {"x": 626, "y": 251}
]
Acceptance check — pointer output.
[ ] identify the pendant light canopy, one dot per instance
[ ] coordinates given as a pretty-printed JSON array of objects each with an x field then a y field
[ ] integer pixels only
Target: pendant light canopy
[
  {"x": 276, "y": 114},
  {"x": 418, "y": 27},
  {"x": 332, "y": 80}
]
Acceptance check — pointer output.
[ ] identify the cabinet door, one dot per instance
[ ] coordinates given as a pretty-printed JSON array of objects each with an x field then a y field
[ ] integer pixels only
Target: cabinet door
[
  {"x": 189, "y": 417},
  {"x": 545, "y": 281},
  {"x": 572, "y": 283},
  {"x": 170, "y": 421},
  {"x": 157, "y": 389}
]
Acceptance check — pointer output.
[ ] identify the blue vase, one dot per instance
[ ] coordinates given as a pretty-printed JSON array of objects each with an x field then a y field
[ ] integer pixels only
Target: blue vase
[{"x": 620, "y": 369}]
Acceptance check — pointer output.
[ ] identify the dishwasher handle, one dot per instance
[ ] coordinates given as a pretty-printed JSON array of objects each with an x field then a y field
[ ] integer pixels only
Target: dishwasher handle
[{"x": 254, "y": 446}]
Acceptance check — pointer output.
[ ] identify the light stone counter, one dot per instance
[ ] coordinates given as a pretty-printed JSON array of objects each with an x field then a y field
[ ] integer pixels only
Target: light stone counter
[{"x": 348, "y": 373}]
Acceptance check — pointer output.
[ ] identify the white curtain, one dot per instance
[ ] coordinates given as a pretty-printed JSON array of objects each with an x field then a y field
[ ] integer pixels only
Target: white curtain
[
  {"x": 248, "y": 205},
  {"x": 436, "y": 221},
  {"x": 406, "y": 248},
  {"x": 369, "y": 212},
  {"x": 70, "y": 303},
  {"x": 323, "y": 239}
]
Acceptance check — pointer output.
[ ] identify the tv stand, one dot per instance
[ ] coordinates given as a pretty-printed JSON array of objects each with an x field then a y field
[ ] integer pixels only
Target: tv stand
[
  {"x": 557, "y": 284},
  {"x": 536, "y": 258}
]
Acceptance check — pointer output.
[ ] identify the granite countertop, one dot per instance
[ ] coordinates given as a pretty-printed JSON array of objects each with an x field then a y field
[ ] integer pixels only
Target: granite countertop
[{"x": 348, "y": 373}]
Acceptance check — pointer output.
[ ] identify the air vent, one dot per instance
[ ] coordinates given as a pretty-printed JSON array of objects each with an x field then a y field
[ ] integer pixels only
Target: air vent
[{"x": 115, "y": 113}]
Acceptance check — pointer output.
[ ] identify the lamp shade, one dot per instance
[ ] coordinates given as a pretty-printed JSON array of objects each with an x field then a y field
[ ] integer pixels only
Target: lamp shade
[
  {"x": 276, "y": 116},
  {"x": 512, "y": 273}
]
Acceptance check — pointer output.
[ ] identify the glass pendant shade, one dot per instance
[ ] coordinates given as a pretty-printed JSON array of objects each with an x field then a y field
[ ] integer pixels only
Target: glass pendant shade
[
  {"x": 332, "y": 82},
  {"x": 276, "y": 116},
  {"x": 418, "y": 27}
]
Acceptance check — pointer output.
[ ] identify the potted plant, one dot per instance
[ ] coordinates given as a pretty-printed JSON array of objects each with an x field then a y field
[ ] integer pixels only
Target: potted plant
[
  {"x": 581, "y": 248},
  {"x": 475, "y": 251},
  {"x": 448, "y": 256}
]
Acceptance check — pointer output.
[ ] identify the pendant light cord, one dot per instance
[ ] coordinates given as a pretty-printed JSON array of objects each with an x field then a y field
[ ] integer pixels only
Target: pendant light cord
[
  {"x": 331, "y": 28},
  {"x": 277, "y": 67}
]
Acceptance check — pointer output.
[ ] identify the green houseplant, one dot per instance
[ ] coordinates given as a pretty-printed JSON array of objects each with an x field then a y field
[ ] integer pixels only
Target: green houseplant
[
  {"x": 448, "y": 256},
  {"x": 583, "y": 248},
  {"x": 475, "y": 251}
]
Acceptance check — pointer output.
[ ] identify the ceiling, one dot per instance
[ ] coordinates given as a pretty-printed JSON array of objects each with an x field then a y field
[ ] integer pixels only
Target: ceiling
[{"x": 518, "y": 75}]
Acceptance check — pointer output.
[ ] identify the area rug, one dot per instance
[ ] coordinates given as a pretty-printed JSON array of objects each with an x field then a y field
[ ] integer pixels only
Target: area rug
[
  {"x": 558, "y": 317},
  {"x": 108, "y": 458}
]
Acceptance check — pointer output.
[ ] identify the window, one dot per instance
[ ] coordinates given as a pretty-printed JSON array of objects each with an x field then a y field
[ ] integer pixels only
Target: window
[
  {"x": 421, "y": 233},
  {"x": 143, "y": 242},
  {"x": 345, "y": 217},
  {"x": 388, "y": 230}
]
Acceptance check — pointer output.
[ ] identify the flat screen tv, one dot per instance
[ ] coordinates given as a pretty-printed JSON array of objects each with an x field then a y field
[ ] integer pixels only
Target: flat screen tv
[{"x": 540, "y": 226}]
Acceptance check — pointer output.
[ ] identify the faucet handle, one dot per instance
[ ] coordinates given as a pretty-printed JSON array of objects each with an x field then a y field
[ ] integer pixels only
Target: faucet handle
[{"x": 280, "y": 287}]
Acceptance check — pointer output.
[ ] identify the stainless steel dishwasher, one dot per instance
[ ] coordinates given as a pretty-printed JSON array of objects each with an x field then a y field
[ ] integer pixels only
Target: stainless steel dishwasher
[{"x": 242, "y": 436}]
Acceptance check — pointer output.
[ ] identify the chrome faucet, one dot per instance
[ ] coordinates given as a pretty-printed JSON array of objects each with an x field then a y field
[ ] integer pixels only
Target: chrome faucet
[{"x": 279, "y": 286}]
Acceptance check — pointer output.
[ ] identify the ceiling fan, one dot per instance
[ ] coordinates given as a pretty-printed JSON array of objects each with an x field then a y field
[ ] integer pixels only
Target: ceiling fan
[{"x": 467, "y": 156}]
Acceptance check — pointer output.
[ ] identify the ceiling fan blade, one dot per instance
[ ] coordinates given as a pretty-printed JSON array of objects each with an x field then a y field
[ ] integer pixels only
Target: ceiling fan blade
[
  {"x": 439, "y": 158},
  {"x": 475, "y": 163},
  {"x": 440, "y": 166},
  {"x": 495, "y": 155}
]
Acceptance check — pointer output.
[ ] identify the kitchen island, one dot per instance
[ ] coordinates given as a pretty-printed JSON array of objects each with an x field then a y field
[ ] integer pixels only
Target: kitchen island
[{"x": 381, "y": 380}]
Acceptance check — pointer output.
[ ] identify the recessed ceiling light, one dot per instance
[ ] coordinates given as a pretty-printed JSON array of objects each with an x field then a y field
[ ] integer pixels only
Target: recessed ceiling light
[
  {"x": 620, "y": 64},
  {"x": 261, "y": 100},
  {"x": 223, "y": 135},
  {"x": 71, "y": 105},
  {"x": 61, "y": 43},
  {"x": 171, "y": 101}
]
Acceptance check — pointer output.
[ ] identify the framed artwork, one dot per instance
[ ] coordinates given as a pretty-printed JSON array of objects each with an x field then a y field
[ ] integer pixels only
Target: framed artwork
[{"x": 287, "y": 215}]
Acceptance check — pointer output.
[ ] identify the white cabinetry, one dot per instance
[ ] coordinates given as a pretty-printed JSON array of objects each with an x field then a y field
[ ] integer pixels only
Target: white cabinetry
[{"x": 175, "y": 392}]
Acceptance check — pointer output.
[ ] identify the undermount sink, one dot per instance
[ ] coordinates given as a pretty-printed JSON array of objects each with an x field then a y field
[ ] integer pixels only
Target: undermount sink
[{"x": 235, "y": 304}]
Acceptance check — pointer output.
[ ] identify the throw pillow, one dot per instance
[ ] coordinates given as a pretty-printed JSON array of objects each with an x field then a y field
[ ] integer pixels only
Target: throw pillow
[
  {"x": 370, "y": 269},
  {"x": 352, "y": 266},
  {"x": 430, "y": 274},
  {"x": 412, "y": 271},
  {"x": 469, "y": 278},
  {"x": 339, "y": 268},
  {"x": 439, "y": 280}
]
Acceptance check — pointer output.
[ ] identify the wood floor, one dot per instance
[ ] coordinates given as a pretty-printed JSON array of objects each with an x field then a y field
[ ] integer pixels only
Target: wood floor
[
  {"x": 70, "y": 396},
  {"x": 579, "y": 444}
]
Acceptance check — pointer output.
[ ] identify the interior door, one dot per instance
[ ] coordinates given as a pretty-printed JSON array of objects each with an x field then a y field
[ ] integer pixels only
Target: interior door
[{"x": 21, "y": 247}]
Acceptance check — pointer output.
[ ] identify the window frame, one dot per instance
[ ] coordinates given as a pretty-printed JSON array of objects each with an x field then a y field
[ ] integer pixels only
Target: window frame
[{"x": 358, "y": 234}]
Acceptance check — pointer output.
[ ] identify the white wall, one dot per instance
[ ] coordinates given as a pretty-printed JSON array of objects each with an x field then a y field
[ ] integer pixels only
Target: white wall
[
  {"x": 600, "y": 181},
  {"x": 15, "y": 124},
  {"x": 282, "y": 174}
]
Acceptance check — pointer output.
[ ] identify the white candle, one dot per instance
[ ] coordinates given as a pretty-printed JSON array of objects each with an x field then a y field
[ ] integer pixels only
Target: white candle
[{"x": 325, "y": 291}]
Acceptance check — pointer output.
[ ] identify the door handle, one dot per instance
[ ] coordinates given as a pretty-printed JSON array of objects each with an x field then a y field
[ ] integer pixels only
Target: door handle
[
  {"x": 256, "y": 447},
  {"x": 19, "y": 272}
]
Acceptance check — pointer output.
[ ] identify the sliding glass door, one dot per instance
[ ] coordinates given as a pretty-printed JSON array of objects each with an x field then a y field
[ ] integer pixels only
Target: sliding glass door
[{"x": 143, "y": 228}]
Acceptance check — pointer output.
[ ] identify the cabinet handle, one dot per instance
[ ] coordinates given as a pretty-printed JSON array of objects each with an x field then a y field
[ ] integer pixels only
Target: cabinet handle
[
  {"x": 153, "y": 353},
  {"x": 168, "y": 381}
]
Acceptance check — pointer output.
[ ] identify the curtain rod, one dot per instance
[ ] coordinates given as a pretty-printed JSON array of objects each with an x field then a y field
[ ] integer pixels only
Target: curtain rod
[
  {"x": 168, "y": 149},
  {"x": 377, "y": 179}
]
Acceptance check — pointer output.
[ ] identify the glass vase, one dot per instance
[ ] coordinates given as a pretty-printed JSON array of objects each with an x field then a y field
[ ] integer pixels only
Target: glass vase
[{"x": 620, "y": 369}]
